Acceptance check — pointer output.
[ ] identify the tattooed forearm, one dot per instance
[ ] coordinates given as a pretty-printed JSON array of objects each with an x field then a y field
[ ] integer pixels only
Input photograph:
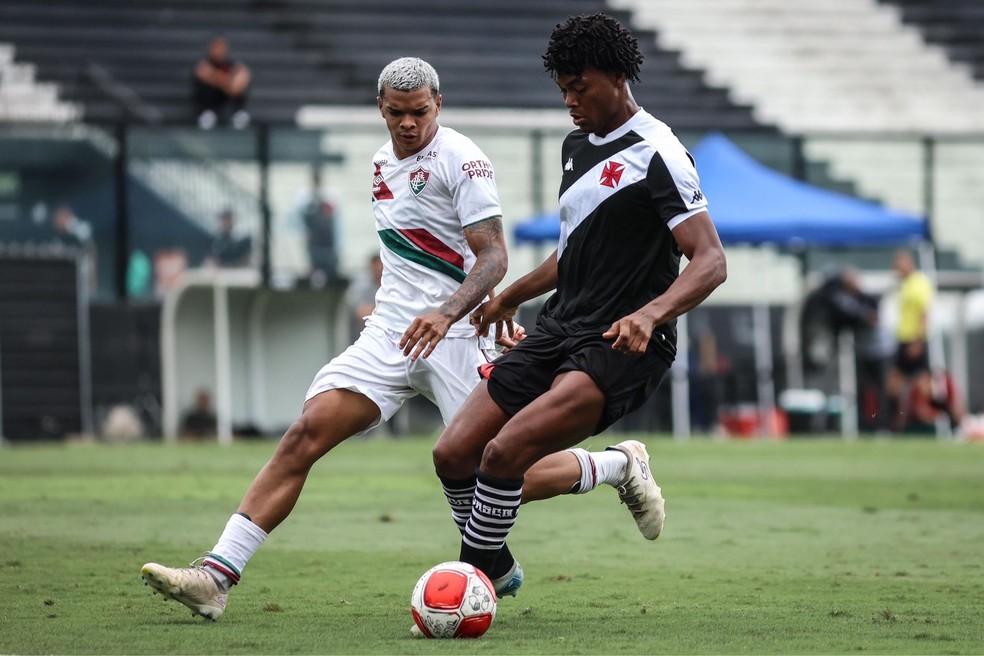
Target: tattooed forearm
[
  {"x": 487, "y": 242},
  {"x": 486, "y": 229},
  {"x": 489, "y": 269}
]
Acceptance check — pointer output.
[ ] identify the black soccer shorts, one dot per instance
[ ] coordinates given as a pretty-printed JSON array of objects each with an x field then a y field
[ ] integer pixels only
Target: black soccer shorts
[
  {"x": 910, "y": 365},
  {"x": 525, "y": 372}
]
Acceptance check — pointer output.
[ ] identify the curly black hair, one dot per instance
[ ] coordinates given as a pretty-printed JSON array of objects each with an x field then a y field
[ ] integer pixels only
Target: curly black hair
[{"x": 598, "y": 41}]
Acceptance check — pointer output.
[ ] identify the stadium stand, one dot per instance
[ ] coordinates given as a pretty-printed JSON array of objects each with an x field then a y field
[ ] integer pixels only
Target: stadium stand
[
  {"x": 957, "y": 25},
  {"x": 140, "y": 54},
  {"x": 488, "y": 51},
  {"x": 114, "y": 54},
  {"x": 837, "y": 65},
  {"x": 22, "y": 97}
]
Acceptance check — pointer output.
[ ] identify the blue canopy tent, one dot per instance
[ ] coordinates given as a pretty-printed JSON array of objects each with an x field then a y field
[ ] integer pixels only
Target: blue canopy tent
[{"x": 755, "y": 205}]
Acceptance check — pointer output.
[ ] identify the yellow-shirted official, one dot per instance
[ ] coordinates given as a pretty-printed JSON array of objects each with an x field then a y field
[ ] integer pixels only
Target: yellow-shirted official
[{"x": 915, "y": 297}]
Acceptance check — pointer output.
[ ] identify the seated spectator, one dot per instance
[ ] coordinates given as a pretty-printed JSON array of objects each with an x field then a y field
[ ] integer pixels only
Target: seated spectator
[
  {"x": 199, "y": 422},
  {"x": 220, "y": 87},
  {"x": 227, "y": 249}
]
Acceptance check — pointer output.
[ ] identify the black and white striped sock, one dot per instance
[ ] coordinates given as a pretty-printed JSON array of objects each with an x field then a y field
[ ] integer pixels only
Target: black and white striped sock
[
  {"x": 493, "y": 514},
  {"x": 459, "y": 493}
]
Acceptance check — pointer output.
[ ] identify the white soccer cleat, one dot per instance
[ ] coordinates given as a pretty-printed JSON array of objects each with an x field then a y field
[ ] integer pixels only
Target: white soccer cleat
[
  {"x": 639, "y": 491},
  {"x": 192, "y": 586},
  {"x": 509, "y": 583}
]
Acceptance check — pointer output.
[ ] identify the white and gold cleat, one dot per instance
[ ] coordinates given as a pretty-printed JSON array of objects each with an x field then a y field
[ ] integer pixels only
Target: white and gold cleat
[
  {"x": 639, "y": 491},
  {"x": 192, "y": 586}
]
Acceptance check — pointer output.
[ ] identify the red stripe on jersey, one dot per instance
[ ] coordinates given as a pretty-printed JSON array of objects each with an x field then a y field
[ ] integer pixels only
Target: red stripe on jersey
[
  {"x": 428, "y": 243},
  {"x": 485, "y": 370}
]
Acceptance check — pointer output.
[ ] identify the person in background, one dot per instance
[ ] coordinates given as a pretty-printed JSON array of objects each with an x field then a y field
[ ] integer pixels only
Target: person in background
[
  {"x": 220, "y": 87},
  {"x": 316, "y": 210},
  {"x": 915, "y": 296},
  {"x": 228, "y": 250},
  {"x": 857, "y": 310},
  {"x": 200, "y": 421},
  {"x": 139, "y": 274},
  {"x": 932, "y": 396},
  {"x": 708, "y": 369},
  {"x": 70, "y": 231},
  {"x": 362, "y": 293}
]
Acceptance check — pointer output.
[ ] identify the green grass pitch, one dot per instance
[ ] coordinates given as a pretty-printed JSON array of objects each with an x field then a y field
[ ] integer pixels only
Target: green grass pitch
[{"x": 807, "y": 546}]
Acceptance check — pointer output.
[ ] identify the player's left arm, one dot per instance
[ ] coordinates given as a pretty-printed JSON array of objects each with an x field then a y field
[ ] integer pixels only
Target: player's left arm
[
  {"x": 698, "y": 239},
  {"x": 487, "y": 242}
]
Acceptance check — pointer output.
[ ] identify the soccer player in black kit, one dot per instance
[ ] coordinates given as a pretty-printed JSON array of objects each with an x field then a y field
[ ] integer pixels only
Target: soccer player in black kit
[{"x": 630, "y": 205}]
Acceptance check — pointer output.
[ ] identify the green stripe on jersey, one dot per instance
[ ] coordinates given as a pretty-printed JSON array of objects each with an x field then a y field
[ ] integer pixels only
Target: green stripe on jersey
[{"x": 397, "y": 243}]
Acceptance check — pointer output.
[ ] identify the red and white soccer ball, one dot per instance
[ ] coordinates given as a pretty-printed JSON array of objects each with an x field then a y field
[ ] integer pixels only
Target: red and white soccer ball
[{"x": 453, "y": 600}]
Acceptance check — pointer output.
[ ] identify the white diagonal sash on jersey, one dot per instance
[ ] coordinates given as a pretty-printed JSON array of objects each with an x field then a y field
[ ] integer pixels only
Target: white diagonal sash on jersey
[{"x": 585, "y": 195}]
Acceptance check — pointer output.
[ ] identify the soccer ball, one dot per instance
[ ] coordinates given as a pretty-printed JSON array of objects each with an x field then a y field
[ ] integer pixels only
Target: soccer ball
[{"x": 453, "y": 600}]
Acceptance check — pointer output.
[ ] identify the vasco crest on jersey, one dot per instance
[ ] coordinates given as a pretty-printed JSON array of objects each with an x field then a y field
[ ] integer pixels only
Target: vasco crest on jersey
[
  {"x": 418, "y": 180},
  {"x": 612, "y": 175}
]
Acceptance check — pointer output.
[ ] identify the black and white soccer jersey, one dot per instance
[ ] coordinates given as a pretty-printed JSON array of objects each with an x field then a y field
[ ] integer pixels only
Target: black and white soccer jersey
[{"x": 620, "y": 196}]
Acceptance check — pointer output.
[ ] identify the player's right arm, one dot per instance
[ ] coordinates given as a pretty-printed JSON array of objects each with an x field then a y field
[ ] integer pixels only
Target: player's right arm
[{"x": 504, "y": 306}]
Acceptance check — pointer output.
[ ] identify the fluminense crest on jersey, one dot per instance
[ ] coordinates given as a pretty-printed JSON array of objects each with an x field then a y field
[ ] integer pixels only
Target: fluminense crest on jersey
[{"x": 418, "y": 180}]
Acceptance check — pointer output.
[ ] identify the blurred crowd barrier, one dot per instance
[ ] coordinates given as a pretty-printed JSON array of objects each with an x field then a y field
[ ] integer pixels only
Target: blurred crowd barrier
[
  {"x": 148, "y": 203},
  {"x": 142, "y": 207}
]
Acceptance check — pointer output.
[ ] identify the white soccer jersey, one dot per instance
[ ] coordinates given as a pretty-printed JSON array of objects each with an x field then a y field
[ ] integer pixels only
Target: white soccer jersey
[{"x": 421, "y": 205}]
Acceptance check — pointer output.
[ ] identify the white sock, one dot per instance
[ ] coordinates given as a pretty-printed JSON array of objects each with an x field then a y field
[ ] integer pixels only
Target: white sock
[
  {"x": 612, "y": 466},
  {"x": 237, "y": 544},
  {"x": 589, "y": 476}
]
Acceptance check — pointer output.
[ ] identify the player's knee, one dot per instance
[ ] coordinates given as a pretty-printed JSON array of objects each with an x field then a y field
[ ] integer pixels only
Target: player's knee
[
  {"x": 504, "y": 461},
  {"x": 451, "y": 461},
  {"x": 302, "y": 444}
]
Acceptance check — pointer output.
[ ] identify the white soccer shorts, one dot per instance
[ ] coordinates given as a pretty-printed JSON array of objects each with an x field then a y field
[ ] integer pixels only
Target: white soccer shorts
[{"x": 375, "y": 367}]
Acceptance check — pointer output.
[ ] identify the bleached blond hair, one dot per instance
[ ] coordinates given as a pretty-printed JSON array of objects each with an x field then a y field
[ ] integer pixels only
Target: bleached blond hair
[{"x": 408, "y": 74}]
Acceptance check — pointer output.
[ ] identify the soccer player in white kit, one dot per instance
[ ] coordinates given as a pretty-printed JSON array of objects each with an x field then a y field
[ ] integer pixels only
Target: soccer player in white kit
[{"x": 443, "y": 250}]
